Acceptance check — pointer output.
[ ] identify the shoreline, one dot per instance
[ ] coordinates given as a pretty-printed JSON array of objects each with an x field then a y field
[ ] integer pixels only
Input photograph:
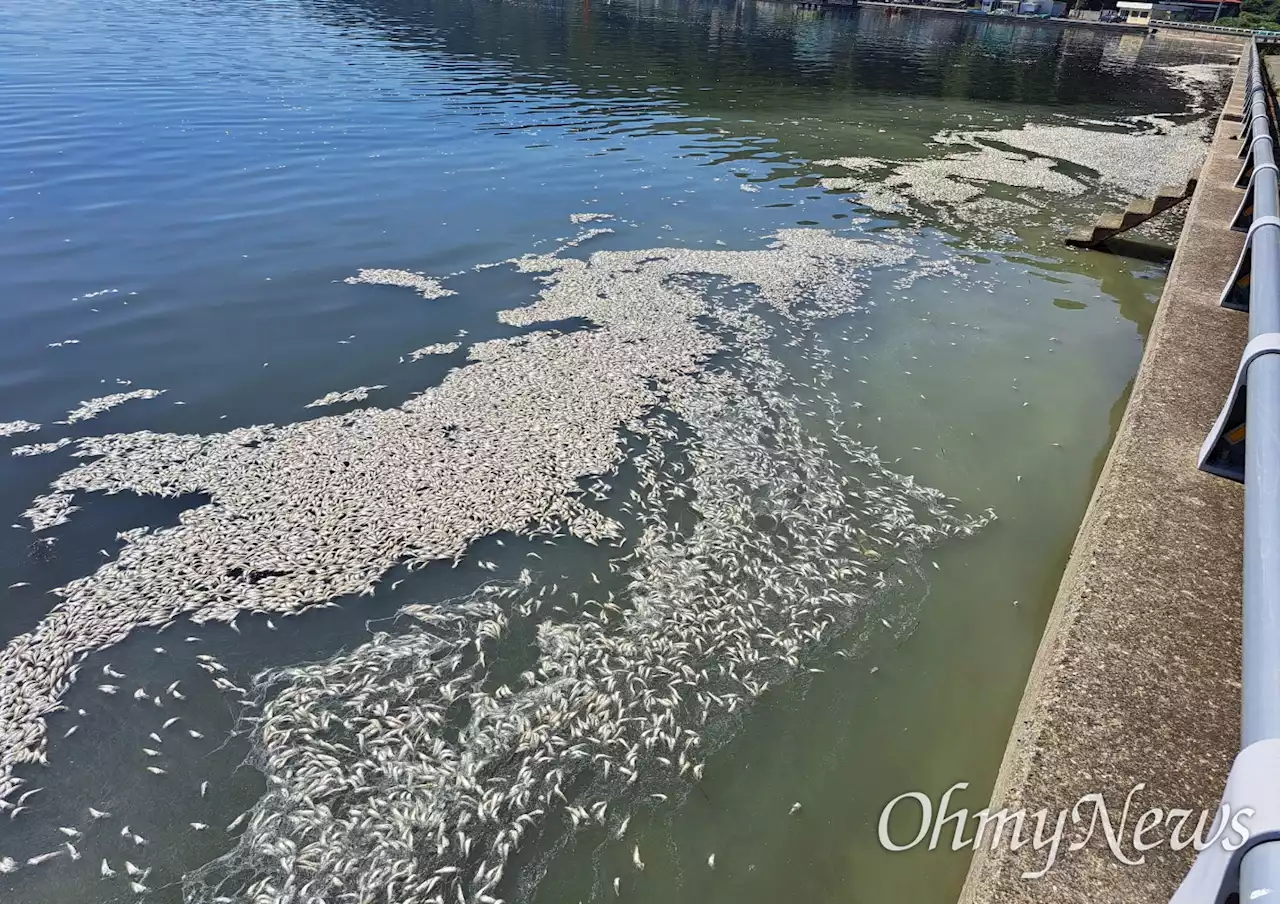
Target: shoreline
[
  {"x": 1155, "y": 29},
  {"x": 1136, "y": 677}
]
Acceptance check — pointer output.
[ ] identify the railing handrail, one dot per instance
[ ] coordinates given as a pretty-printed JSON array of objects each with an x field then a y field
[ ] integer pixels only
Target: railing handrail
[
  {"x": 1260, "y": 715},
  {"x": 1252, "y": 870},
  {"x": 1217, "y": 29}
]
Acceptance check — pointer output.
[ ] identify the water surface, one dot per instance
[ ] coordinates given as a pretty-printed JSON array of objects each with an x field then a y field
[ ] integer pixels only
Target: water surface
[{"x": 188, "y": 185}]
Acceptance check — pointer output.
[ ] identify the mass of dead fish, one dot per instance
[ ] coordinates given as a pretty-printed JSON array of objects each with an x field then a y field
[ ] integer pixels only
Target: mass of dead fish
[{"x": 373, "y": 788}]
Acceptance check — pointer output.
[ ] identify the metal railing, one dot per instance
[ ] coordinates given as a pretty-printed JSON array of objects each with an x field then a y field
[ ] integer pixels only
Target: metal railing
[
  {"x": 1216, "y": 29},
  {"x": 1252, "y": 869}
]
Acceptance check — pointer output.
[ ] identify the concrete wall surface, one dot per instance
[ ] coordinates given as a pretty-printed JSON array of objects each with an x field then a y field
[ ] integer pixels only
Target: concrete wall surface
[{"x": 1136, "y": 679}]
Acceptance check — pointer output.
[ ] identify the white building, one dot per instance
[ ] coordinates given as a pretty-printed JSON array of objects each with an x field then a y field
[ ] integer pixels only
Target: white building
[{"x": 1134, "y": 12}]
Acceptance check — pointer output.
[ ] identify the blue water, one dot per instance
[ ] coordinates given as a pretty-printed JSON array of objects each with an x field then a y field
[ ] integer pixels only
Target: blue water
[{"x": 185, "y": 186}]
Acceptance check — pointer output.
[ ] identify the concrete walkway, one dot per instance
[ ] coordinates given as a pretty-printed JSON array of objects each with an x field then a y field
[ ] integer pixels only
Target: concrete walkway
[{"x": 1136, "y": 678}]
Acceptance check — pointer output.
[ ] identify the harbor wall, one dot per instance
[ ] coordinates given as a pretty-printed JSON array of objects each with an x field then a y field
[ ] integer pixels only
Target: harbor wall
[{"x": 1135, "y": 683}]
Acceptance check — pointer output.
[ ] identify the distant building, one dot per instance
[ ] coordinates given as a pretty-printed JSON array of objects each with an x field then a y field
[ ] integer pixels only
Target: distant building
[
  {"x": 1137, "y": 12},
  {"x": 1024, "y": 7},
  {"x": 1134, "y": 13}
]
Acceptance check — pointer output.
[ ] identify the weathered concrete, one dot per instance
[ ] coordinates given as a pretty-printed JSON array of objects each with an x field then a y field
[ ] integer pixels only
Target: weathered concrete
[
  {"x": 1188, "y": 33},
  {"x": 1139, "y": 211},
  {"x": 1135, "y": 680}
]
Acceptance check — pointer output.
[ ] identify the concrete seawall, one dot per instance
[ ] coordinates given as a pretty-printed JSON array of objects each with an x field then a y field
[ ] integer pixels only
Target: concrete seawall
[
  {"x": 1136, "y": 678},
  {"x": 1157, "y": 28}
]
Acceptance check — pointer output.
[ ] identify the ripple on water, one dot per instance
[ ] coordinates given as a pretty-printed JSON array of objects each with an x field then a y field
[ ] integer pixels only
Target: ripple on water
[
  {"x": 465, "y": 767},
  {"x": 324, "y": 507}
]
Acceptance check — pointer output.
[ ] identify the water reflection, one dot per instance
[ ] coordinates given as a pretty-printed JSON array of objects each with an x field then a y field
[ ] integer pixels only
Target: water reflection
[
  {"x": 729, "y": 55},
  {"x": 226, "y": 166}
]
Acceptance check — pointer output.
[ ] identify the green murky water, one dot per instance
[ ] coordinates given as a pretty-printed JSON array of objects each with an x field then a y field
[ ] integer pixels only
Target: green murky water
[{"x": 190, "y": 185}]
